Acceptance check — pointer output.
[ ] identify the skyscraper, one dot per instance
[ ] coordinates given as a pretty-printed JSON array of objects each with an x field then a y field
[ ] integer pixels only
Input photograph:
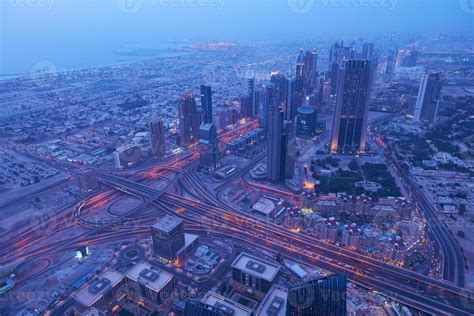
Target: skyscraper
[
  {"x": 300, "y": 71},
  {"x": 250, "y": 93},
  {"x": 206, "y": 103},
  {"x": 189, "y": 120},
  {"x": 427, "y": 103},
  {"x": 407, "y": 58},
  {"x": 157, "y": 139},
  {"x": 264, "y": 99},
  {"x": 337, "y": 55},
  {"x": 208, "y": 143},
  {"x": 168, "y": 237},
  {"x": 306, "y": 121},
  {"x": 352, "y": 102},
  {"x": 246, "y": 108},
  {"x": 296, "y": 88},
  {"x": 296, "y": 99},
  {"x": 367, "y": 51},
  {"x": 281, "y": 86},
  {"x": 391, "y": 60},
  {"x": 310, "y": 74},
  {"x": 322, "y": 297},
  {"x": 278, "y": 163}
]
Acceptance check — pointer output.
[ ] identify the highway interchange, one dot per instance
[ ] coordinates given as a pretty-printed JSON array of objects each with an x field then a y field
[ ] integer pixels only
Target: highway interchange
[{"x": 205, "y": 214}]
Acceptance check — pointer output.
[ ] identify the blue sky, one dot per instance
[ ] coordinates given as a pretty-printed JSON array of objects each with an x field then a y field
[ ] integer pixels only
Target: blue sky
[{"x": 34, "y": 26}]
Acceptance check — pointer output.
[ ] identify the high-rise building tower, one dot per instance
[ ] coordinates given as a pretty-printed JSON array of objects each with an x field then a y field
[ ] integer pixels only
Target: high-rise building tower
[
  {"x": 427, "y": 103},
  {"x": 321, "y": 297},
  {"x": 168, "y": 237},
  {"x": 368, "y": 51},
  {"x": 157, "y": 139},
  {"x": 296, "y": 88},
  {"x": 306, "y": 121},
  {"x": 208, "y": 142},
  {"x": 407, "y": 58},
  {"x": 265, "y": 97},
  {"x": 352, "y": 102},
  {"x": 337, "y": 55},
  {"x": 208, "y": 145},
  {"x": 246, "y": 110},
  {"x": 250, "y": 94},
  {"x": 300, "y": 71},
  {"x": 391, "y": 60},
  {"x": 281, "y": 87},
  {"x": 189, "y": 120},
  {"x": 310, "y": 75},
  {"x": 278, "y": 163},
  {"x": 206, "y": 103}
]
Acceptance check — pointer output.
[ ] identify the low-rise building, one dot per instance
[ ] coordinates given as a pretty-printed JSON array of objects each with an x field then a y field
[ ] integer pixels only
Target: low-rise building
[
  {"x": 253, "y": 273},
  {"x": 99, "y": 293},
  {"x": 274, "y": 303},
  {"x": 351, "y": 236},
  {"x": 225, "y": 304},
  {"x": 264, "y": 206},
  {"x": 149, "y": 282}
]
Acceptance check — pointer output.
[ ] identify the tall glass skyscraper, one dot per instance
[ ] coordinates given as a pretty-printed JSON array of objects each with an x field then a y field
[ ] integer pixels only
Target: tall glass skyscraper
[
  {"x": 189, "y": 120},
  {"x": 310, "y": 71},
  {"x": 208, "y": 142},
  {"x": 168, "y": 237},
  {"x": 279, "y": 165},
  {"x": 352, "y": 105},
  {"x": 157, "y": 138},
  {"x": 322, "y": 297},
  {"x": 206, "y": 103},
  {"x": 426, "y": 108},
  {"x": 337, "y": 55}
]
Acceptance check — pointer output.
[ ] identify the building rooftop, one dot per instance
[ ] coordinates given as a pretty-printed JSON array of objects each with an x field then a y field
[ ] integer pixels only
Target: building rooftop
[
  {"x": 188, "y": 240},
  {"x": 274, "y": 303},
  {"x": 167, "y": 223},
  {"x": 225, "y": 304},
  {"x": 306, "y": 110},
  {"x": 256, "y": 267},
  {"x": 99, "y": 285},
  {"x": 206, "y": 126},
  {"x": 149, "y": 276},
  {"x": 264, "y": 206}
]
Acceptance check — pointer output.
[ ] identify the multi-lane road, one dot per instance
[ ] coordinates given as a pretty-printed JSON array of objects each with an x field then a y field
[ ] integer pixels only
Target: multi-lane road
[
  {"x": 411, "y": 288},
  {"x": 452, "y": 257},
  {"x": 208, "y": 215}
]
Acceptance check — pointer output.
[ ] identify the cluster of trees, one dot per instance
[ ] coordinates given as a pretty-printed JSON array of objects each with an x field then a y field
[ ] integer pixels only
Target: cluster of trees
[
  {"x": 340, "y": 181},
  {"x": 345, "y": 180},
  {"x": 379, "y": 173},
  {"x": 326, "y": 163}
]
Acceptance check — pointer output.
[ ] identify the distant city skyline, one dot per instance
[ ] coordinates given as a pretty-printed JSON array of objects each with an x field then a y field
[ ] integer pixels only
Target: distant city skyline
[
  {"x": 236, "y": 157},
  {"x": 78, "y": 34}
]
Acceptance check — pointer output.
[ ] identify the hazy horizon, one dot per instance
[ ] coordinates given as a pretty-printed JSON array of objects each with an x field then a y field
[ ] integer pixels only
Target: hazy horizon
[{"x": 38, "y": 30}]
